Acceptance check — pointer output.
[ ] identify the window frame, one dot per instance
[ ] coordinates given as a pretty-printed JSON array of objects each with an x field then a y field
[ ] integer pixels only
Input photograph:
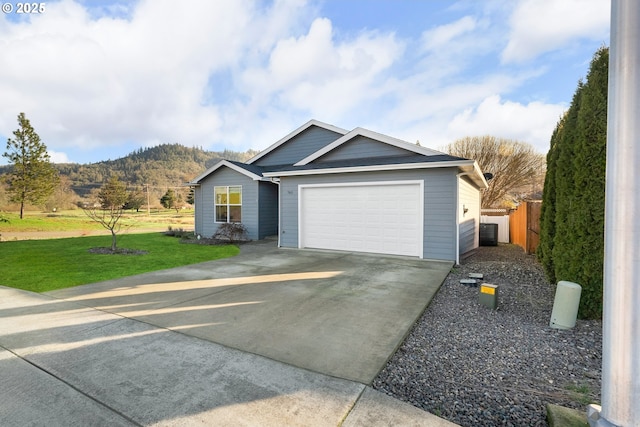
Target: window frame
[{"x": 228, "y": 205}]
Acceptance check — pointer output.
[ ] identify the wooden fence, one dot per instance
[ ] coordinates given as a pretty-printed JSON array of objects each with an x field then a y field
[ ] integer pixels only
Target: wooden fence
[{"x": 524, "y": 226}]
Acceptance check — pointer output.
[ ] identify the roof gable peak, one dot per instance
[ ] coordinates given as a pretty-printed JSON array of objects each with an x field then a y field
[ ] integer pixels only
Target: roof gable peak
[
  {"x": 372, "y": 135},
  {"x": 293, "y": 134},
  {"x": 236, "y": 166}
]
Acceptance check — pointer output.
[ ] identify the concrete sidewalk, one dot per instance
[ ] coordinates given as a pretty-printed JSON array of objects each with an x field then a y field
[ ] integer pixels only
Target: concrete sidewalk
[{"x": 65, "y": 364}]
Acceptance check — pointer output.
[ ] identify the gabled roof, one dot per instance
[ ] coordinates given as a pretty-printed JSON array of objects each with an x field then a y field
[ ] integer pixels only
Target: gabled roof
[
  {"x": 369, "y": 134},
  {"x": 417, "y": 157},
  {"x": 253, "y": 172},
  {"x": 390, "y": 163},
  {"x": 293, "y": 134}
]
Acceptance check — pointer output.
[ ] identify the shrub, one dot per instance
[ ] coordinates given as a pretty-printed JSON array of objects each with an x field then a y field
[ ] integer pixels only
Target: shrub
[
  {"x": 179, "y": 232},
  {"x": 231, "y": 231}
]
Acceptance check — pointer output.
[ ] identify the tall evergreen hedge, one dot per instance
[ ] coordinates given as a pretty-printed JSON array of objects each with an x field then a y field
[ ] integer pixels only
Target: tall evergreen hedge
[
  {"x": 548, "y": 208},
  {"x": 572, "y": 218}
]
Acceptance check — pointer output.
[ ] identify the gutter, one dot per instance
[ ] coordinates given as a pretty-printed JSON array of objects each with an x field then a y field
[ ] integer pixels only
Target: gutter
[{"x": 372, "y": 168}]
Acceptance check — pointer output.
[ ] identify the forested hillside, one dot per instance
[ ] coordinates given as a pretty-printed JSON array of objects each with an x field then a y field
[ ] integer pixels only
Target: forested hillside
[{"x": 160, "y": 168}]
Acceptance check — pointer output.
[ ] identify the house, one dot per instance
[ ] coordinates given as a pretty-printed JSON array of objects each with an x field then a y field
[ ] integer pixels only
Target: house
[{"x": 329, "y": 188}]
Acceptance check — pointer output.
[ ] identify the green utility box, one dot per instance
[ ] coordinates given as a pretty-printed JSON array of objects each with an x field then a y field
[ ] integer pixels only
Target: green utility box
[{"x": 489, "y": 295}]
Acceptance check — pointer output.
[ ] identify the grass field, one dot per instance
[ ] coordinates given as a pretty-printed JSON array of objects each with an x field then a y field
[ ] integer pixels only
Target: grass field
[
  {"x": 77, "y": 220},
  {"x": 45, "y": 265}
]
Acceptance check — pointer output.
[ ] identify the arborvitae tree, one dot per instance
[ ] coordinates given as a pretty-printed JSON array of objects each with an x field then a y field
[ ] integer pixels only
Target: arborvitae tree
[
  {"x": 564, "y": 240},
  {"x": 548, "y": 208},
  {"x": 572, "y": 221},
  {"x": 589, "y": 166},
  {"x": 32, "y": 178}
]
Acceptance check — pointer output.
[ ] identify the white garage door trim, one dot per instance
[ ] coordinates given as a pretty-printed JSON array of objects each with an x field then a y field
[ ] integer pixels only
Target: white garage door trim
[{"x": 406, "y": 235}]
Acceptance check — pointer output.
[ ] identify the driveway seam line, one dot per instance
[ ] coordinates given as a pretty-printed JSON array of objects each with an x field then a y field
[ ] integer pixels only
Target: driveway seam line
[
  {"x": 355, "y": 402},
  {"x": 68, "y": 384}
]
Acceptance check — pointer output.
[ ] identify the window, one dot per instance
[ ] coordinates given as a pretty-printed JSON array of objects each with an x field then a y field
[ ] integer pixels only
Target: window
[{"x": 228, "y": 203}]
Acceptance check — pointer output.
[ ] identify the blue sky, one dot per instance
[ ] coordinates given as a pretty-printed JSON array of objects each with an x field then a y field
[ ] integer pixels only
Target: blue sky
[{"x": 100, "y": 79}]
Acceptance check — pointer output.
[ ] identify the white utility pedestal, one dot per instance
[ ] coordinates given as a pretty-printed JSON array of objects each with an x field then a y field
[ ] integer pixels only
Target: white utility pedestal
[{"x": 565, "y": 305}]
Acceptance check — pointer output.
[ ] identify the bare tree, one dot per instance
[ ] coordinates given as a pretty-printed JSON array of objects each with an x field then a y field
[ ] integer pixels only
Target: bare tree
[
  {"x": 107, "y": 212},
  {"x": 515, "y": 166},
  {"x": 63, "y": 196}
]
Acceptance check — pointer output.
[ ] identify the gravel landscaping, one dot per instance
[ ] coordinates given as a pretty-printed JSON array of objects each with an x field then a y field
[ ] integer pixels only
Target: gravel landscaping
[{"x": 480, "y": 367}]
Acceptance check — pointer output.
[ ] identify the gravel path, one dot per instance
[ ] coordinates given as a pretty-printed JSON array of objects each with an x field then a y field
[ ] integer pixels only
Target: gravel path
[{"x": 479, "y": 367}]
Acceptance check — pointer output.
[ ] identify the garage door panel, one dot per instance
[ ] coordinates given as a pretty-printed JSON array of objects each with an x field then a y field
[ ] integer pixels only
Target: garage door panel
[{"x": 364, "y": 218}]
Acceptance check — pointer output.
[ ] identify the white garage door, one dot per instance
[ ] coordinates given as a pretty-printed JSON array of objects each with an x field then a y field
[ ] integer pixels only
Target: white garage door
[{"x": 381, "y": 218}]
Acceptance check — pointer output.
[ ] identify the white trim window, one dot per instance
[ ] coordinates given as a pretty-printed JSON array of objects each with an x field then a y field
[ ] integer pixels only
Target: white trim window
[{"x": 228, "y": 203}]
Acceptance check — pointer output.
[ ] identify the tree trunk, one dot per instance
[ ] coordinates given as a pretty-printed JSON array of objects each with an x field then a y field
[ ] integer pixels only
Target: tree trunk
[
  {"x": 21, "y": 209},
  {"x": 113, "y": 241}
]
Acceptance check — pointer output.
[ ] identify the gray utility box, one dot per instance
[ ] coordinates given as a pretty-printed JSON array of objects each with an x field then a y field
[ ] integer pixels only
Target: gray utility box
[
  {"x": 488, "y": 234},
  {"x": 488, "y": 295}
]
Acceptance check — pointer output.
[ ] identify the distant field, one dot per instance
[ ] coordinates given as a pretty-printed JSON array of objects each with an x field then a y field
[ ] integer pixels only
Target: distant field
[{"x": 76, "y": 220}]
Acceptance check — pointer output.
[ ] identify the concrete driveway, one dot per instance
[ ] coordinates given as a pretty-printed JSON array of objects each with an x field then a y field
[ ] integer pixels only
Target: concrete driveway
[{"x": 270, "y": 337}]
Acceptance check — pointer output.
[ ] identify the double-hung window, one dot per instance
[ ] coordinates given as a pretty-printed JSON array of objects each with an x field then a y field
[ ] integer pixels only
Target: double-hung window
[{"x": 228, "y": 203}]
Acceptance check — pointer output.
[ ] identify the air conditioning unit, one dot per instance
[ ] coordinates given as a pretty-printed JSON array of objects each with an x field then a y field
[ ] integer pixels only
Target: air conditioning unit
[{"x": 488, "y": 234}]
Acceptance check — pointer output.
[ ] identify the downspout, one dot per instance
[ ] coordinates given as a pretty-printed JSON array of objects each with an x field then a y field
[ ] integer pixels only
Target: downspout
[{"x": 276, "y": 181}]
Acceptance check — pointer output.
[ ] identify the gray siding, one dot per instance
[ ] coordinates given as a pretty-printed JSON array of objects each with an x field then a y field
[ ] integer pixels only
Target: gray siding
[
  {"x": 205, "y": 215},
  {"x": 268, "y": 201},
  {"x": 362, "y": 147},
  {"x": 469, "y": 197},
  {"x": 439, "y": 205},
  {"x": 299, "y": 147}
]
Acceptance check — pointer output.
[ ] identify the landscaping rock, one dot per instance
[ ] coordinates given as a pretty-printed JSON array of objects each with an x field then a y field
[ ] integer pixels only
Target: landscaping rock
[{"x": 478, "y": 367}]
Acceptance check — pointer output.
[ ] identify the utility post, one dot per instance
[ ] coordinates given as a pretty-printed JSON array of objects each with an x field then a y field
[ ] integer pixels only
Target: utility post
[
  {"x": 148, "y": 205},
  {"x": 621, "y": 317}
]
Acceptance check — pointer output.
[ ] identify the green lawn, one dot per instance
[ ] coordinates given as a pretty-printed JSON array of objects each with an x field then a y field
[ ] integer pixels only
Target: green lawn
[
  {"x": 47, "y": 222},
  {"x": 45, "y": 265},
  {"x": 77, "y": 220}
]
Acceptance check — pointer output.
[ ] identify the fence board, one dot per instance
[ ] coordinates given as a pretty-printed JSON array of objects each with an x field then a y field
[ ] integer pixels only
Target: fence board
[
  {"x": 518, "y": 226},
  {"x": 533, "y": 226},
  {"x": 524, "y": 226}
]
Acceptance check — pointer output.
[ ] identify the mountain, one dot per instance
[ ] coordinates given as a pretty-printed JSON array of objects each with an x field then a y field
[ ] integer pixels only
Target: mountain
[{"x": 160, "y": 168}]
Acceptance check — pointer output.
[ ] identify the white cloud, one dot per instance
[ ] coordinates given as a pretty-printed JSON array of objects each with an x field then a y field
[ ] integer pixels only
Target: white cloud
[
  {"x": 543, "y": 26},
  {"x": 321, "y": 76},
  {"x": 441, "y": 37},
  {"x": 532, "y": 123},
  {"x": 58, "y": 157},
  {"x": 98, "y": 82},
  {"x": 310, "y": 57}
]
